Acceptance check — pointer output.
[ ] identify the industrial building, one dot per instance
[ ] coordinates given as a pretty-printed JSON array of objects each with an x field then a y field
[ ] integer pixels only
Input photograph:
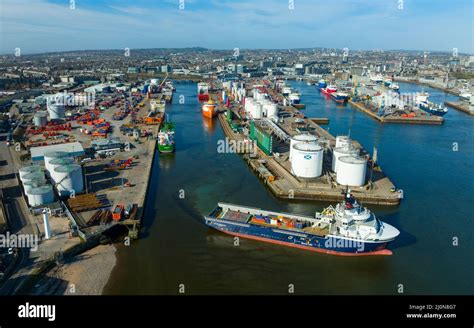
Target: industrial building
[{"x": 73, "y": 149}]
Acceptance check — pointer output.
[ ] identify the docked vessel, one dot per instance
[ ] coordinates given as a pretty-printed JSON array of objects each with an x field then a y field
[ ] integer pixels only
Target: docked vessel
[
  {"x": 329, "y": 89},
  {"x": 395, "y": 87},
  {"x": 322, "y": 84},
  {"x": 166, "y": 138},
  {"x": 340, "y": 97},
  {"x": 294, "y": 98},
  {"x": 377, "y": 78},
  {"x": 423, "y": 103},
  {"x": 347, "y": 229},
  {"x": 203, "y": 91},
  {"x": 209, "y": 109}
]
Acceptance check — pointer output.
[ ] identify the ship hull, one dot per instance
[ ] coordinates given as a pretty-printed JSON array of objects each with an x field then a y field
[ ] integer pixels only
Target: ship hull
[
  {"x": 339, "y": 99},
  {"x": 208, "y": 112},
  {"x": 203, "y": 97},
  {"x": 432, "y": 112},
  {"x": 327, "y": 92},
  {"x": 328, "y": 244},
  {"x": 165, "y": 149}
]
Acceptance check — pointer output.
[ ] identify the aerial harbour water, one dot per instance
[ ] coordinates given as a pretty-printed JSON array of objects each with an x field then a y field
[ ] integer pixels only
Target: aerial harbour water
[{"x": 431, "y": 164}]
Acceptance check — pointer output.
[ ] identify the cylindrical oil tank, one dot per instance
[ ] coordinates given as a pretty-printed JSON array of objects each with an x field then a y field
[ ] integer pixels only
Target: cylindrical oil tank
[
  {"x": 39, "y": 176},
  {"x": 342, "y": 141},
  {"x": 307, "y": 160},
  {"x": 61, "y": 161},
  {"x": 52, "y": 155},
  {"x": 56, "y": 111},
  {"x": 351, "y": 171},
  {"x": 40, "y": 119},
  {"x": 68, "y": 178},
  {"x": 272, "y": 110},
  {"x": 301, "y": 138},
  {"x": 257, "y": 111},
  {"x": 340, "y": 152},
  {"x": 28, "y": 185},
  {"x": 28, "y": 169},
  {"x": 41, "y": 195}
]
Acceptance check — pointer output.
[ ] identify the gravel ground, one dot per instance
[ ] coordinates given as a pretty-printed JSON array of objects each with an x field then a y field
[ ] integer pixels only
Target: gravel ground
[{"x": 86, "y": 274}]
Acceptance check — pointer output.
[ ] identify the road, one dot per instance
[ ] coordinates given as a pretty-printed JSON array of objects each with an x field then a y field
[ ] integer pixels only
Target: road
[{"x": 20, "y": 222}]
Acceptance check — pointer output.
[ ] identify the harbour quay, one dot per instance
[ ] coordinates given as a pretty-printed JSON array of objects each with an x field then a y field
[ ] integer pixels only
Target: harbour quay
[
  {"x": 295, "y": 157},
  {"x": 78, "y": 174}
]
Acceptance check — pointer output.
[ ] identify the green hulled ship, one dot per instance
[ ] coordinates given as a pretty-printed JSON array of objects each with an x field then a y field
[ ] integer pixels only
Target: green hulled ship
[{"x": 166, "y": 138}]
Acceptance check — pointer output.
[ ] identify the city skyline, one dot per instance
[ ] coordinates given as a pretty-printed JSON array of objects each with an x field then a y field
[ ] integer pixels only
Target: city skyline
[{"x": 39, "y": 26}]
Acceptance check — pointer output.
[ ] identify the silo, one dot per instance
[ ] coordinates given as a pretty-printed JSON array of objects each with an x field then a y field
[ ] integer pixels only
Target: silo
[
  {"x": 28, "y": 185},
  {"x": 307, "y": 160},
  {"x": 40, "y": 119},
  {"x": 60, "y": 161},
  {"x": 68, "y": 178},
  {"x": 342, "y": 141},
  {"x": 351, "y": 171},
  {"x": 340, "y": 152},
  {"x": 272, "y": 110},
  {"x": 38, "y": 176},
  {"x": 52, "y": 155},
  {"x": 56, "y": 111},
  {"x": 257, "y": 111},
  {"x": 41, "y": 195},
  {"x": 301, "y": 138},
  {"x": 28, "y": 169}
]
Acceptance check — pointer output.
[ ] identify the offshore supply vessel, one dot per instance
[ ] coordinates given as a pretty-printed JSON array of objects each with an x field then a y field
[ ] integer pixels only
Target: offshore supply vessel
[
  {"x": 209, "y": 109},
  {"x": 347, "y": 229},
  {"x": 203, "y": 91},
  {"x": 423, "y": 103},
  {"x": 166, "y": 137}
]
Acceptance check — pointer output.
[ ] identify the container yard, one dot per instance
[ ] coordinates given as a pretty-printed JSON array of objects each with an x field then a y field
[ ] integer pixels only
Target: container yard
[
  {"x": 78, "y": 165},
  {"x": 295, "y": 157}
]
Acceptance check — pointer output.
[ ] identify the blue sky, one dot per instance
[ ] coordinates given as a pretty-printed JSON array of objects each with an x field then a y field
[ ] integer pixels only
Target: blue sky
[{"x": 42, "y": 25}]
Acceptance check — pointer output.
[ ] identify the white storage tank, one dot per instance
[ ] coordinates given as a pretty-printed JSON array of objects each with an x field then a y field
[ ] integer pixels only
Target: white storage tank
[
  {"x": 257, "y": 111},
  {"x": 272, "y": 110},
  {"x": 307, "y": 160},
  {"x": 341, "y": 152},
  {"x": 56, "y": 111},
  {"x": 342, "y": 141},
  {"x": 351, "y": 171},
  {"x": 28, "y": 185},
  {"x": 28, "y": 169},
  {"x": 33, "y": 176},
  {"x": 49, "y": 156},
  {"x": 40, "y": 119},
  {"x": 301, "y": 138},
  {"x": 61, "y": 161},
  {"x": 41, "y": 195},
  {"x": 68, "y": 178}
]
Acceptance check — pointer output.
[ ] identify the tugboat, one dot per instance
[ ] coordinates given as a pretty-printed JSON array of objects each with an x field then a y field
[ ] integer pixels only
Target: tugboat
[
  {"x": 203, "y": 91},
  {"x": 166, "y": 138},
  {"x": 346, "y": 229},
  {"x": 328, "y": 90},
  {"x": 209, "y": 109},
  {"x": 340, "y": 97}
]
